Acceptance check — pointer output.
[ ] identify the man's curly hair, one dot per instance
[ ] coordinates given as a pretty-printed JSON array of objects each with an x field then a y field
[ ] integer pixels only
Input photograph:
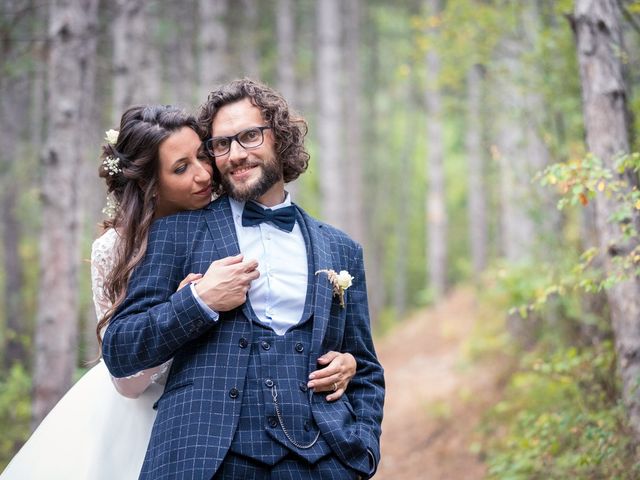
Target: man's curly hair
[{"x": 288, "y": 128}]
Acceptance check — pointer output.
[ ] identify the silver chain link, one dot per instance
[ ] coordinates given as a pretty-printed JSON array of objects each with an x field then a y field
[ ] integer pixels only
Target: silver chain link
[{"x": 274, "y": 394}]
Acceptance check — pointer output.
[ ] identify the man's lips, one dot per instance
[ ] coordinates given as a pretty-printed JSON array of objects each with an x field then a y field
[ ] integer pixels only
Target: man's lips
[{"x": 240, "y": 171}]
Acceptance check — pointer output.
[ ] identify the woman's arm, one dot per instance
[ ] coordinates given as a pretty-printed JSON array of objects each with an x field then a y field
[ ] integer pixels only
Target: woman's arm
[
  {"x": 101, "y": 263},
  {"x": 335, "y": 376}
]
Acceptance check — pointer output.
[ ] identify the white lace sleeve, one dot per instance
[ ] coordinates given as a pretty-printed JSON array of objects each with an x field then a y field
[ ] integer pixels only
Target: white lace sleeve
[{"x": 102, "y": 260}]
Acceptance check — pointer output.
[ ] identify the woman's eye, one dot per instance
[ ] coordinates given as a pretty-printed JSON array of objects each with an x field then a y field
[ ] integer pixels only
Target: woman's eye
[{"x": 181, "y": 169}]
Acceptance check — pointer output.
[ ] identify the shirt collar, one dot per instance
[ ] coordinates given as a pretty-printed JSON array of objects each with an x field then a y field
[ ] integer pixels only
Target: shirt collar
[{"x": 237, "y": 206}]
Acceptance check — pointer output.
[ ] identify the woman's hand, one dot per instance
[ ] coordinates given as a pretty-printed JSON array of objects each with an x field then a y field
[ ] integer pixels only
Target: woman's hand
[
  {"x": 192, "y": 277},
  {"x": 335, "y": 376}
]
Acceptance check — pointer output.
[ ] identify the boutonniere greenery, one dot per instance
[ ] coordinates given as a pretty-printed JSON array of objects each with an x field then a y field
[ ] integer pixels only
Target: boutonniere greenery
[{"x": 339, "y": 281}]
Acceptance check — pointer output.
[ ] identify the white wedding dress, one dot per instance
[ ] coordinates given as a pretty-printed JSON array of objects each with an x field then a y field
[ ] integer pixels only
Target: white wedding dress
[{"x": 94, "y": 432}]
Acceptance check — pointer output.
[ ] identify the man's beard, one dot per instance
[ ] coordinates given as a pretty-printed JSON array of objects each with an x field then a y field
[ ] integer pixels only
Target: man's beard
[{"x": 270, "y": 175}]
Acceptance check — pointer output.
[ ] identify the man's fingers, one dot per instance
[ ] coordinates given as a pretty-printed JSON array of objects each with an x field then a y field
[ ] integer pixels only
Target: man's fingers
[{"x": 229, "y": 260}]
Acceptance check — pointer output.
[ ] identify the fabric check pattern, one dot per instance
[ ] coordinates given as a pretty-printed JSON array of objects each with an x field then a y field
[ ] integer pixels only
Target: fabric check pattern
[{"x": 199, "y": 412}]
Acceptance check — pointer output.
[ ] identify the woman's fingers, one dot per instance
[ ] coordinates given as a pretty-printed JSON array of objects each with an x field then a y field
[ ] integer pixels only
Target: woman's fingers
[{"x": 188, "y": 279}]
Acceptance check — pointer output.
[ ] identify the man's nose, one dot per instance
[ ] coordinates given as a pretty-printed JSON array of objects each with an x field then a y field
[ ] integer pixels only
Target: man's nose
[{"x": 237, "y": 151}]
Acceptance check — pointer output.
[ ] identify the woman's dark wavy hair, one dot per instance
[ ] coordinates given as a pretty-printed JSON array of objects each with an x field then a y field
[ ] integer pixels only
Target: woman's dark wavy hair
[
  {"x": 133, "y": 185},
  {"x": 289, "y": 129}
]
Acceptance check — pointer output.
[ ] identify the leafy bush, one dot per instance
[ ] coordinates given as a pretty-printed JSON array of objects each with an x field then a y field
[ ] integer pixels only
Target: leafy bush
[
  {"x": 561, "y": 418},
  {"x": 15, "y": 412}
]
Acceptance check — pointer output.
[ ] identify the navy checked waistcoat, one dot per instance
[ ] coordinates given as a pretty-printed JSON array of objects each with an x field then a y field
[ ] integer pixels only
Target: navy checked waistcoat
[
  {"x": 260, "y": 434},
  {"x": 199, "y": 412}
]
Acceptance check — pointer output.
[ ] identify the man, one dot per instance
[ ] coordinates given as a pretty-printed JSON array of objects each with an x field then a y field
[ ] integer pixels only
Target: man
[{"x": 236, "y": 404}]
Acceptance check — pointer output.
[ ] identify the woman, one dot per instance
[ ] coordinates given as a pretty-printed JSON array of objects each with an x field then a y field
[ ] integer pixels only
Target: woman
[{"x": 153, "y": 167}]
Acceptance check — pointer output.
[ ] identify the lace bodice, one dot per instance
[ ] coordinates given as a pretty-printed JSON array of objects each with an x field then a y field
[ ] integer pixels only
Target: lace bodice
[{"x": 102, "y": 261}]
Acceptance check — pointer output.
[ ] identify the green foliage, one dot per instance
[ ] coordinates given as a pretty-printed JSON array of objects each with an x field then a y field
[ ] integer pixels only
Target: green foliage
[
  {"x": 560, "y": 418},
  {"x": 15, "y": 411}
]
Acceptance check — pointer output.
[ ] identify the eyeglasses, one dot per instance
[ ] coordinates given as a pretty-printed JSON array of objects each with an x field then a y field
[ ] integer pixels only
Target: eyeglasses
[{"x": 249, "y": 138}]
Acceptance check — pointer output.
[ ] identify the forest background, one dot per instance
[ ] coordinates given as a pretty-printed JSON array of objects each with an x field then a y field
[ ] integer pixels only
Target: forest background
[{"x": 443, "y": 135}]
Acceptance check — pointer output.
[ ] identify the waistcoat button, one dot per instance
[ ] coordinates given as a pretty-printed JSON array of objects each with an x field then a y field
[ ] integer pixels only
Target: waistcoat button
[
  {"x": 303, "y": 387},
  {"x": 243, "y": 343},
  {"x": 265, "y": 345},
  {"x": 273, "y": 421},
  {"x": 233, "y": 393},
  {"x": 299, "y": 347},
  {"x": 268, "y": 382},
  {"x": 307, "y": 426}
]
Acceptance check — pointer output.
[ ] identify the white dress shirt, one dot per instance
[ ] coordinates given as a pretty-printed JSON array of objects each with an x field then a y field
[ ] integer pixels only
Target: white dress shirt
[{"x": 278, "y": 295}]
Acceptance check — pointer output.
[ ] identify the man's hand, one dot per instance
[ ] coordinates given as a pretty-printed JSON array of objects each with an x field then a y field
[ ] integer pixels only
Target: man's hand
[{"x": 225, "y": 284}]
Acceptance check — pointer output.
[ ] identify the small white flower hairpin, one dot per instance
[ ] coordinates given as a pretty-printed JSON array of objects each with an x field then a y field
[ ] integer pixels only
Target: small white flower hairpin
[
  {"x": 111, "y": 136},
  {"x": 339, "y": 281},
  {"x": 111, "y": 207},
  {"x": 111, "y": 164}
]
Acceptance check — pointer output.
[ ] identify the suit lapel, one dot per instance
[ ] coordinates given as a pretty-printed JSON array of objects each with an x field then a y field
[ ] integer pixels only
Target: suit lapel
[
  {"x": 320, "y": 257},
  {"x": 223, "y": 229}
]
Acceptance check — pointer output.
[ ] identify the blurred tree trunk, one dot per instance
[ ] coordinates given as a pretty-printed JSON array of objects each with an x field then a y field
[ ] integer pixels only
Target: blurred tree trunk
[
  {"x": 477, "y": 209},
  {"x": 598, "y": 35},
  {"x": 72, "y": 28},
  {"x": 10, "y": 227},
  {"x": 130, "y": 48},
  {"x": 516, "y": 226},
  {"x": 286, "y": 71},
  {"x": 180, "y": 52},
  {"x": 353, "y": 145},
  {"x": 436, "y": 202},
  {"x": 214, "y": 45},
  {"x": 330, "y": 139},
  {"x": 14, "y": 120},
  {"x": 249, "y": 56}
]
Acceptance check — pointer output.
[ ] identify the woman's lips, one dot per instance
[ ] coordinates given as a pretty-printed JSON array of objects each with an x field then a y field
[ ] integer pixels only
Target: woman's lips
[{"x": 204, "y": 192}]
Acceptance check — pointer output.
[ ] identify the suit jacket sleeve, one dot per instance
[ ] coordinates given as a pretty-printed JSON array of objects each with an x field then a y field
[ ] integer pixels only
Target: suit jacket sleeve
[
  {"x": 366, "y": 390},
  {"x": 154, "y": 320}
]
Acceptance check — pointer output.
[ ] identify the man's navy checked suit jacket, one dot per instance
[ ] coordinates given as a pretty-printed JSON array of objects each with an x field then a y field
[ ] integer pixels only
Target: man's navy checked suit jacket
[{"x": 199, "y": 410}]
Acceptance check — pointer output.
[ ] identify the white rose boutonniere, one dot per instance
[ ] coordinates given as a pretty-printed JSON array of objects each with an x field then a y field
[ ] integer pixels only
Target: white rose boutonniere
[
  {"x": 111, "y": 136},
  {"x": 339, "y": 281}
]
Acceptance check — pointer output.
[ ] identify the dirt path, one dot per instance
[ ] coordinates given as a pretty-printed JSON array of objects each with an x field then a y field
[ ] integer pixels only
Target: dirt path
[{"x": 435, "y": 398}]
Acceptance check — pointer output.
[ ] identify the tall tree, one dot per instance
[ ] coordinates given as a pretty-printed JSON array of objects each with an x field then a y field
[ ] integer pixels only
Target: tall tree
[
  {"x": 249, "y": 56},
  {"x": 130, "y": 52},
  {"x": 597, "y": 28},
  {"x": 213, "y": 41},
  {"x": 353, "y": 158},
  {"x": 436, "y": 203},
  {"x": 286, "y": 64},
  {"x": 477, "y": 208},
  {"x": 180, "y": 52},
  {"x": 71, "y": 24},
  {"x": 330, "y": 139},
  {"x": 14, "y": 91}
]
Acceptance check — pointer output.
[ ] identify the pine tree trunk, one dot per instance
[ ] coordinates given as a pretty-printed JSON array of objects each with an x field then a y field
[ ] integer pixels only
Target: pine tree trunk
[
  {"x": 72, "y": 25},
  {"x": 214, "y": 45},
  {"x": 597, "y": 28},
  {"x": 180, "y": 53},
  {"x": 130, "y": 45},
  {"x": 15, "y": 323},
  {"x": 436, "y": 202},
  {"x": 477, "y": 209},
  {"x": 353, "y": 158},
  {"x": 286, "y": 71},
  {"x": 330, "y": 113},
  {"x": 249, "y": 56}
]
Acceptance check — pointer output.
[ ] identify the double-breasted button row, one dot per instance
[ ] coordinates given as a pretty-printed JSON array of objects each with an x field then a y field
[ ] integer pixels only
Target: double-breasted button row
[
  {"x": 265, "y": 345},
  {"x": 234, "y": 392},
  {"x": 243, "y": 343},
  {"x": 299, "y": 347}
]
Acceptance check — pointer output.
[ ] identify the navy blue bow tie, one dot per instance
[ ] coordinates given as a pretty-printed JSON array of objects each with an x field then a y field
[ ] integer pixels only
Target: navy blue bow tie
[{"x": 283, "y": 218}]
